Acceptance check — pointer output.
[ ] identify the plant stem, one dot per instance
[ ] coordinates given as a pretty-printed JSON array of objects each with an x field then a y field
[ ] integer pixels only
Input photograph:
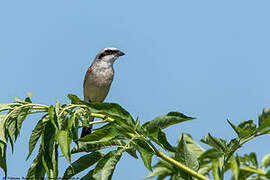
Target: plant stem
[
  {"x": 253, "y": 170},
  {"x": 107, "y": 119},
  {"x": 181, "y": 166},
  {"x": 176, "y": 163}
]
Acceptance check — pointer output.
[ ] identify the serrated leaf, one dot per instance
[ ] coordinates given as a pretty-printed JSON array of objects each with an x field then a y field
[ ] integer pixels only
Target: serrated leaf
[
  {"x": 159, "y": 171},
  {"x": 146, "y": 153},
  {"x": 36, "y": 133},
  {"x": 205, "y": 169},
  {"x": 109, "y": 109},
  {"x": 160, "y": 138},
  {"x": 234, "y": 127},
  {"x": 90, "y": 147},
  {"x": 13, "y": 123},
  {"x": 192, "y": 145},
  {"x": 3, "y": 163},
  {"x": 53, "y": 116},
  {"x": 48, "y": 145},
  {"x": 88, "y": 176},
  {"x": 55, "y": 161},
  {"x": 3, "y": 135},
  {"x": 187, "y": 157},
  {"x": 162, "y": 163},
  {"x": 114, "y": 111},
  {"x": 4, "y": 107},
  {"x": 75, "y": 100},
  {"x": 36, "y": 170},
  {"x": 106, "y": 165},
  {"x": 82, "y": 163},
  {"x": 64, "y": 139},
  {"x": 216, "y": 170},
  {"x": 264, "y": 121},
  {"x": 253, "y": 159},
  {"x": 235, "y": 167},
  {"x": 165, "y": 121},
  {"x": 217, "y": 143},
  {"x": 266, "y": 161},
  {"x": 246, "y": 129},
  {"x": 104, "y": 134},
  {"x": 209, "y": 155}
]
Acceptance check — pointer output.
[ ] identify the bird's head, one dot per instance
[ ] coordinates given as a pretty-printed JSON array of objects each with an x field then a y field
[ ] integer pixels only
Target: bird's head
[{"x": 109, "y": 54}]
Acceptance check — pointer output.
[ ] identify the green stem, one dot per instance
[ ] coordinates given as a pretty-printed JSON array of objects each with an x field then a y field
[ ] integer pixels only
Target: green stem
[
  {"x": 70, "y": 107},
  {"x": 35, "y": 106},
  {"x": 176, "y": 163},
  {"x": 172, "y": 161},
  {"x": 181, "y": 166},
  {"x": 253, "y": 170}
]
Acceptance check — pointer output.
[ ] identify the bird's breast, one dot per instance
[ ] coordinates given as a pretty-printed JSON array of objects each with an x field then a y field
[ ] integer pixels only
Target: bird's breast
[{"x": 97, "y": 84}]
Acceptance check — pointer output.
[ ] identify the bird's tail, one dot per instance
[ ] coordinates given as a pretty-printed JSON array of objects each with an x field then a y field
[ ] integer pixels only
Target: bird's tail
[{"x": 87, "y": 130}]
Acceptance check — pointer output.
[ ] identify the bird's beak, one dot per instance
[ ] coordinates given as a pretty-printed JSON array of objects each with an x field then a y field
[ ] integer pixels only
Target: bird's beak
[{"x": 120, "y": 53}]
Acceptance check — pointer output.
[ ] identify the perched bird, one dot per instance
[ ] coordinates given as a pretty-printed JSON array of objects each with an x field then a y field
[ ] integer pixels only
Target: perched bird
[{"x": 98, "y": 79}]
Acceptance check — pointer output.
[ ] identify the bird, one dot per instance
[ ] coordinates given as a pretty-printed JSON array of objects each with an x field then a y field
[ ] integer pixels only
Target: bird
[{"x": 98, "y": 79}]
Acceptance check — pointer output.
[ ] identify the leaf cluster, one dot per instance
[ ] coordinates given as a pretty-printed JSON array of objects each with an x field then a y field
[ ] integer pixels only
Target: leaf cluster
[
  {"x": 58, "y": 128},
  {"x": 221, "y": 156}
]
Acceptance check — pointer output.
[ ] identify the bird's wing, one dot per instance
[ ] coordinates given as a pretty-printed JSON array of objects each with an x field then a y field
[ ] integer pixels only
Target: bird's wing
[{"x": 88, "y": 72}]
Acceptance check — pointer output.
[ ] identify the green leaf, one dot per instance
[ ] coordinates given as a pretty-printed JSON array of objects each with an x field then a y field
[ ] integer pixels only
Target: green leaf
[
  {"x": 3, "y": 163},
  {"x": 186, "y": 156},
  {"x": 192, "y": 145},
  {"x": 146, "y": 153},
  {"x": 14, "y": 121},
  {"x": 216, "y": 170},
  {"x": 90, "y": 147},
  {"x": 55, "y": 161},
  {"x": 109, "y": 109},
  {"x": 88, "y": 176},
  {"x": 249, "y": 159},
  {"x": 4, "y": 107},
  {"x": 36, "y": 133},
  {"x": 82, "y": 163},
  {"x": 114, "y": 111},
  {"x": 53, "y": 116},
  {"x": 104, "y": 134},
  {"x": 36, "y": 170},
  {"x": 253, "y": 159},
  {"x": 3, "y": 135},
  {"x": 264, "y": 121},
  {"x": 106, "y": 165},
  {"x": 160, "y": 138},
  {"x": 217, "y": 143},
  {"x": 235, "y": 128},
  {"x": 48, "y": 145},
  {"x": 245, "y": 129},
  {"x": 209, "y": 155},
  {"x": 64, "y": 138},
  {"x": 205, "y": 169},
  {"x": 266, "y": 161},
  {"x": 159, "y": 171},
  {"x": 165, "y": 121},
  {"x": 234, "y": 166},
  {"x": 75, "y": 100}
]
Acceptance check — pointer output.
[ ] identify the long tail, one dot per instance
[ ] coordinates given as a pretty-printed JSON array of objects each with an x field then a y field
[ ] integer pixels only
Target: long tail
[{"x": 87, "y": 130}]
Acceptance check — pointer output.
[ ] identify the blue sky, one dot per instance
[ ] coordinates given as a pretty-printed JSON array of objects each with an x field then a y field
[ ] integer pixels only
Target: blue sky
[{"x": 207, "y": 59}]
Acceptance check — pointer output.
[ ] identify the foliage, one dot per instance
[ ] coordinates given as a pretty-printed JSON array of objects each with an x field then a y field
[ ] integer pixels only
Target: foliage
[
  {"x": 119, "y": 133},
  {"x": 221, "y": 157}
]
